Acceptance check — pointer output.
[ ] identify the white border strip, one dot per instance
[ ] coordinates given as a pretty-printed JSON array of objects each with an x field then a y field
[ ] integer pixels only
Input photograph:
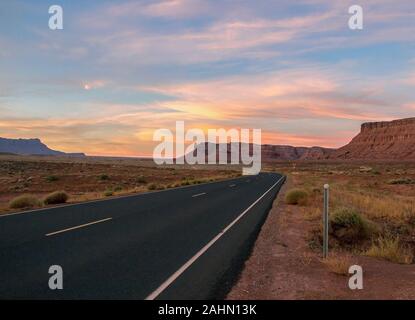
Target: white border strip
[
  {"x": 198, "y": 195},
  {"x": 183, "y": 268},
  {"x": 77, "y": 227}
]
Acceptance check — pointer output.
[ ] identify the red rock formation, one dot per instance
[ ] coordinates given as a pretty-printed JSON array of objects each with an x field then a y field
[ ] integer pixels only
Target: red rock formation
[
  {"x": 271, "y": 153},
  {"x": 316, "y": 153},
  {"x": 386, "y": 140}
]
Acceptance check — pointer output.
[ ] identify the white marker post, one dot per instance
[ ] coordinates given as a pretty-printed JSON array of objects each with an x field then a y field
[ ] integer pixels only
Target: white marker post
[{"x": 326, "y": 221}]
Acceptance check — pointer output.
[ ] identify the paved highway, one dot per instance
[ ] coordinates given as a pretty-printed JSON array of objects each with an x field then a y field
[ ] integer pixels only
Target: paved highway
[{"x": 183, "y": 243}]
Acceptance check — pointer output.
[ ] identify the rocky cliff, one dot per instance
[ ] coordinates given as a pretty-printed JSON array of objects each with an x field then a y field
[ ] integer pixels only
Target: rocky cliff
[
  {"x": 283, "y": 152},
  {"x": 386, "y": 140},
  {"x": 31, "y": 147},
  {"x": 272, "y": 152}
]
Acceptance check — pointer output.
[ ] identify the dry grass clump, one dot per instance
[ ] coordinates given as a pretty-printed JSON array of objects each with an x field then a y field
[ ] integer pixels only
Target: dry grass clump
[
  {"x": 313, "y": 214},
  {"x": 108, "y": 193},
  {"x": 338, "y": 264},
  {"x": 24, "y": 201},
  {"x": 154, "y": 186},
  {"x": 394, "y": 208},
  {"x": 391, "y": 249},
  {"x": 56, "y": 197},
  {"x": 401, "y": 181},
  {"x": 296, "y": 196}
]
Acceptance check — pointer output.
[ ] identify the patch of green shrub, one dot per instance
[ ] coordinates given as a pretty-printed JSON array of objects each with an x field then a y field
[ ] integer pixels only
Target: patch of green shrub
[
  {"x": 348, "y": 226},
  {"x": 296, "y": 196},
  {"x": 52, "y": 178},
  {"x": 141, "y": 180},
  {"x": 24, "y": 201},
  {"x": 104, "y": 177},
  {"x": 56, "y": 197},
  {"x": 152, "y": 186},
  {"x": 108, "y": 193}
]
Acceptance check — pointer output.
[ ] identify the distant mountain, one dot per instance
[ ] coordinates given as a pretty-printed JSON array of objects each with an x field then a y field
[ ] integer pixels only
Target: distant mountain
[
  {"x": 31, "y": 147},
  {"x": 271, "y": 152},
  {"x": 385, "y": 140}
]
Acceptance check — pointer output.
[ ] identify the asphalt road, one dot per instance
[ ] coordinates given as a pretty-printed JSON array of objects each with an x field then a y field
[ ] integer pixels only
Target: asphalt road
[{"x": 184, "y": 243}]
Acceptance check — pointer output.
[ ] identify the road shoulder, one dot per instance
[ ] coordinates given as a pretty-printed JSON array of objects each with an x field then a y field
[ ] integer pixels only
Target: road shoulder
[{"x": 282, "y": 265}]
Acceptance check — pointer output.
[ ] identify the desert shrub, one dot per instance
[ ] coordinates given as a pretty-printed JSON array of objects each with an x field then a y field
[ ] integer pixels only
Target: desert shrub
[
  {"x": 52, "y": 178},
  {"x": 316, "y": 191},
  {"x": 141, "y": 180},
  {"x": 108, "y": 193},
  {"x": 338, "y": 264},
  {"x": 348, "y": 226},
  {"x": 56, "y": 197},
  {"x": 409, "y": 217},
  {"x": 296, "y": 196},
  {"x": 24, "y": 201},
  {"x": 104, "y": 177},
  {"x": 117, "y": 188},
  {"x": 401, "y": 181},
  {"x": 152, "y": 186},
  {"x": 186, "y": 183},
  {"x": 391, "y": 249}
]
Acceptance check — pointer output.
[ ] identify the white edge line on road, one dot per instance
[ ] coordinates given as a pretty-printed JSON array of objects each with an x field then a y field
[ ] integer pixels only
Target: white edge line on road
[
  {"x": 198, "y": 195},
  {"x": 183, "y": 268},
  {"x": 232, "y": 185},
  {"x": 77, "y": 227}
]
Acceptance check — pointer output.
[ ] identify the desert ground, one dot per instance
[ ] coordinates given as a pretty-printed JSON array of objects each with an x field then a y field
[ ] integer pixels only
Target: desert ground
[
  {"x": 89, "y": 178},
  {"x": 372, "y": 218},
  {"x": 372, "y": 224}
]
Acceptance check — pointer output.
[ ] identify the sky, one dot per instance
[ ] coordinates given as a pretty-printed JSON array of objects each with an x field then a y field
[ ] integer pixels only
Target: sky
[{"x": 119, "y": 70}]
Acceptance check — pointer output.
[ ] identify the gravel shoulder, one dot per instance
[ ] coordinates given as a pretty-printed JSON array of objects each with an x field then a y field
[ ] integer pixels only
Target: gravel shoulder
[{"x": 282, "y": 266}]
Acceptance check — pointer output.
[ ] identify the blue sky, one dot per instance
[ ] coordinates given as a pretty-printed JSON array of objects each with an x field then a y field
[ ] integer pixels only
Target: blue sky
[{"x": 121, "y": 69}]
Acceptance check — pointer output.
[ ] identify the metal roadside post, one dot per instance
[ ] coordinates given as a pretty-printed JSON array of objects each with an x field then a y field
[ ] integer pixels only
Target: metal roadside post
[{"x": 326, "y": 222}]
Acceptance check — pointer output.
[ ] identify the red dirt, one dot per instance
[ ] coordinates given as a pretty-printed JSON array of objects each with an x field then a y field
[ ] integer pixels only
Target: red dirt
[{"x": 282, "y": 266}]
